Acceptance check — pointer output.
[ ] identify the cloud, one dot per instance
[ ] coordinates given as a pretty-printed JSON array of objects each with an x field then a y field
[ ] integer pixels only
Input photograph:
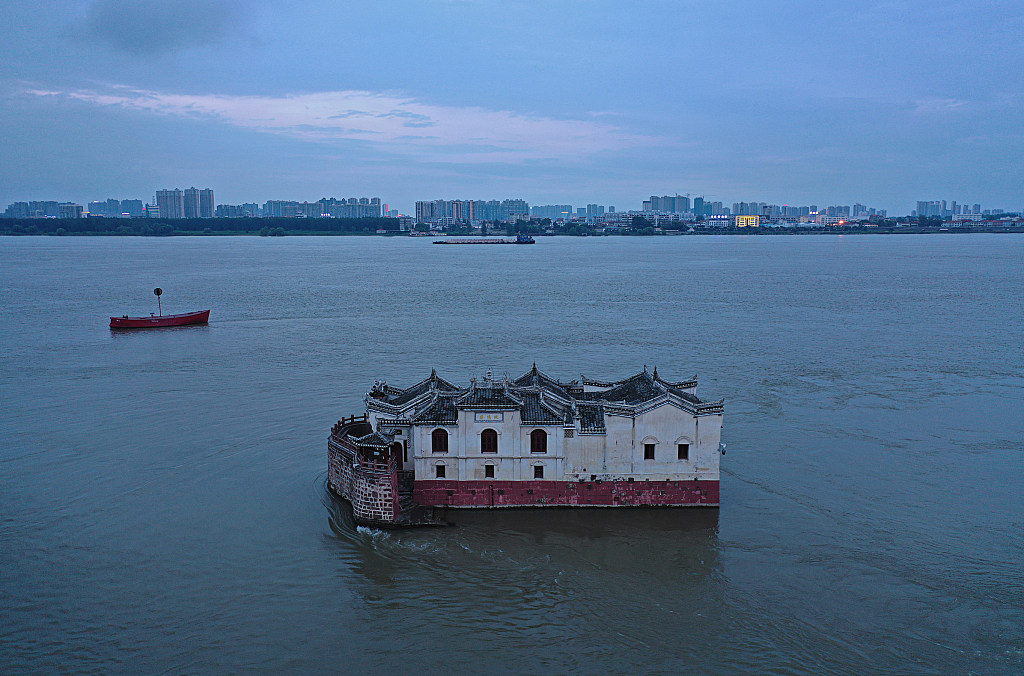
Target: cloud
[
  {"x": 459, "y": 134},
  {"x": 936, "y": 105},
  {"x": 154, "y": 26}
]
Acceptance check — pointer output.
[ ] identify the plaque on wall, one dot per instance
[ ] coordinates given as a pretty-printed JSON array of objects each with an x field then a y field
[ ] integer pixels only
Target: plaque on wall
[{"x": 488, "y": 417}]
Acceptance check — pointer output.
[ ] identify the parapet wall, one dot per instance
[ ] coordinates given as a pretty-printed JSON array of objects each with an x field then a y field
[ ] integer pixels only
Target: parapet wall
[{"x": 371, "y": 488}]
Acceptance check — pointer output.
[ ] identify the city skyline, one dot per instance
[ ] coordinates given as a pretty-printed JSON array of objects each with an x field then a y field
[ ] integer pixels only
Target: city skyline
[
  {"x": 555, "y": 102},
  {"x": 200, "y": 203}
]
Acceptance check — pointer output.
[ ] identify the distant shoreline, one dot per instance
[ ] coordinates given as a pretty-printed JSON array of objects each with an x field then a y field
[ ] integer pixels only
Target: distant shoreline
[
  {"x": 739, "y": 232},
  {"x": 370, "y": 227}
]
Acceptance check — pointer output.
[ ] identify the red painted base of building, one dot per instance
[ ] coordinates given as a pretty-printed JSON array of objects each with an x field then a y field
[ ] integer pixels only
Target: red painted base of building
[{"x": 445, "y": 493}]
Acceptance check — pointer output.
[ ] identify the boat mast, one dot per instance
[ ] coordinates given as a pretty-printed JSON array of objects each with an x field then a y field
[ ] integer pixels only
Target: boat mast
[{"x": 159, "y": 292}]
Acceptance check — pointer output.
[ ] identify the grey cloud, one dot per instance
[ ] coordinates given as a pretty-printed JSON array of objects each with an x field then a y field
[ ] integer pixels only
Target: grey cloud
[
  {"x": 156, "y": 26},
  {"x": 412, "y": 119},
  {"x": 350, "y": 113},
  {"x": 405, "y": 114}
]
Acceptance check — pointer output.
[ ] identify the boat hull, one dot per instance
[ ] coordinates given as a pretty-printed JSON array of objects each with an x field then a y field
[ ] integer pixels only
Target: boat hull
[{"x": 184, "y": 319}]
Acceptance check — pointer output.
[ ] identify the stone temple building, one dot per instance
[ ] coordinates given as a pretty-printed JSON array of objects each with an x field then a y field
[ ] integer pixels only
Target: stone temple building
[{"x": 531, "y": 441}]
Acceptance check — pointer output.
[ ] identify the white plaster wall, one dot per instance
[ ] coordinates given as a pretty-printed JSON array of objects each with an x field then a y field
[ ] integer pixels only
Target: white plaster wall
[
  {"x": 620, "y": 452},
  {"x": 465, "y": 462},
  {"x": 708, "y": 455},
  {"x": 585, "y": 453},
  {"x": 424, "y": 459}
]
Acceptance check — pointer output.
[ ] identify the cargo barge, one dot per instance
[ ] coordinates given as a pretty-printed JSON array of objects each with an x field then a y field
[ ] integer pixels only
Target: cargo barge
[
  {"x": 520, "y": 239},
  {"x": 527, "y": 442}
]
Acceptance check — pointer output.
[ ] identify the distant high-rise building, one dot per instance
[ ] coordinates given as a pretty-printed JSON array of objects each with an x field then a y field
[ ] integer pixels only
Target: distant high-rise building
[
  {"x": 191, "y": 205},
  {"x": 206, "y": 203},
  {"x": 247, "y": 210},
  {"x": 552, "y": 211},
  {"x": 109, "y": 207},
  {"x": 17, "y": 210},
  {"x": 171, "y": 203},
  {"x": 199, "y": 203},
  {"x": 34, "y": 209},
  {"x": 933, "y": 209},
  {"x": 667, "y": 204},
  {"x": 132, "y": 207},
  {"x": 698, "y": 206},
  {"x": 69, "y": 210},
  {"x": 514, "y": 209}
]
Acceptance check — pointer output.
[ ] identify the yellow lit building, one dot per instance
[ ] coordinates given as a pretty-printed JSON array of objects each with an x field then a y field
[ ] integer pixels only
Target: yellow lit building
[{"x": 748, "y": 221}]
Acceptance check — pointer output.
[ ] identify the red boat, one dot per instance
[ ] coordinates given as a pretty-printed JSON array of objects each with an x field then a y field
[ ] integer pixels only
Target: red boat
[{"x": 157, "y": 321}]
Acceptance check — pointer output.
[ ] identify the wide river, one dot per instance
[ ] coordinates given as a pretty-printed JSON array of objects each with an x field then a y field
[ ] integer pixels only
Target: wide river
[{"x": 162, "y": 493}]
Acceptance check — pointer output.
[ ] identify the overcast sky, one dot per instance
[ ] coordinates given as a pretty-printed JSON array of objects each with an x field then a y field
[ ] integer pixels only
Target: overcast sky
[{"x": 556, "y": 101}]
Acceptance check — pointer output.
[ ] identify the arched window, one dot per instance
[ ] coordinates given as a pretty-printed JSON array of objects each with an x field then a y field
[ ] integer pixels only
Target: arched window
[
  {"x": 488, "y": 441},
  {"x": 538, "y": 441},
  {"x": 439, "y": 441}
]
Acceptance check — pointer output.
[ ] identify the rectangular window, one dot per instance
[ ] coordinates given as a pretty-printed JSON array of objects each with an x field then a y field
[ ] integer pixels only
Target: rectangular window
[
  {"x": 684, "y": 451},
  {"x": 488, "y": 471},
  {"x": 538, "y": 471},
  {"x": 439, "y": 471},
  {"x": 648, "y": 451}
]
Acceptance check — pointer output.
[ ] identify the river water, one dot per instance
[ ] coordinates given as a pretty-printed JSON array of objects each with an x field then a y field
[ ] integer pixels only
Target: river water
[{"x": 162, "y": 493}]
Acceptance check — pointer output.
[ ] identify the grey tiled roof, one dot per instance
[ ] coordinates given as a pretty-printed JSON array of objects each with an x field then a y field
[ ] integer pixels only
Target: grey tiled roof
[
  {"x": 634, "y": 390},
  {"x": 591, "y": 418},
  {"x": 433, "y": 381},
  {"x": 440, "y": 410},
  {"x": 536, "y": 411},
  {"x": 692, "y": 398},
  {"x": 534, "y": 378},
  {"x": 375, "y": 439},
  {"x": 488, "y": 397},
  {"x": 539, "y": 398}
]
